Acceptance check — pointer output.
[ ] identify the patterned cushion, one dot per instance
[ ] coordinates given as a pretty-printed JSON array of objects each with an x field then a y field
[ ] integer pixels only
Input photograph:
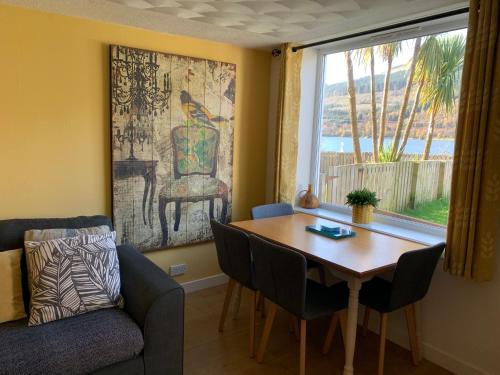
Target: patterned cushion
[
  {"x": 195, "y": 149},
  {"x": 71, "y": 276},
  {"x": 53, "y": 233},
  {"x": 11, "y": 291},
  {"x": 195, "y": 186}
]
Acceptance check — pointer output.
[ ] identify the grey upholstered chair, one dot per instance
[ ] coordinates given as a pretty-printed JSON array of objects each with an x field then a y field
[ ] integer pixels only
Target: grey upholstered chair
[
  {"x": 235, "y": 260},
  {"x": 409, "y": 285},
  {"x": 280, "y": 275},
  {"x": 272, "y": 210},
  {"x": 284, "y": 209}
]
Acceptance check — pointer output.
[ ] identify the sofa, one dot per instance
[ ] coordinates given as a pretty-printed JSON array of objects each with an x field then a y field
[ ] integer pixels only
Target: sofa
[{"x": 145, "y": 337}]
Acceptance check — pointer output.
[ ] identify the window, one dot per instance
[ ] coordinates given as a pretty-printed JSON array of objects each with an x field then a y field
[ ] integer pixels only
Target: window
[{"x": 388, "y": 121}]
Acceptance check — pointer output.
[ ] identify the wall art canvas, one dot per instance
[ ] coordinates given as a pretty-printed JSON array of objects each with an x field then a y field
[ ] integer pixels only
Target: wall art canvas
[{"x": 172, "y": 146}]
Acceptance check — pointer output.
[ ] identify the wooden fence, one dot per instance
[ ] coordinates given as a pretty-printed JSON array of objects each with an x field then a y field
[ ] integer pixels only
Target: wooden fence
[
  {"x": 399, "y": 185},
  {"x": 332, "y": 159}
]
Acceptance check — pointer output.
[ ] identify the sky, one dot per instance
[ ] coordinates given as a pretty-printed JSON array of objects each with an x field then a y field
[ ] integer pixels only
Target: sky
[{"x": 336, "y": 71}]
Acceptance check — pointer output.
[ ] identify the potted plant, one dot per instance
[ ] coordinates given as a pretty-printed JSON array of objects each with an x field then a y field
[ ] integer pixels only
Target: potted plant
[{"x": 362, "y": 202}]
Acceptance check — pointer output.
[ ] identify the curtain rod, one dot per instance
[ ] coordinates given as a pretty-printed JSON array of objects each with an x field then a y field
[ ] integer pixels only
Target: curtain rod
[{"x": 385, "y": 28}]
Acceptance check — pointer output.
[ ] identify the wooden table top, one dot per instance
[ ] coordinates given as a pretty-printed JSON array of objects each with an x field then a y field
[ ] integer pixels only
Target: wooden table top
[{"x": 365, "y": 255}]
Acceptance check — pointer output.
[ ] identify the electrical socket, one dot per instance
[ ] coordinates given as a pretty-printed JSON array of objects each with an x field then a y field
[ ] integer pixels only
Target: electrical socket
[{"x": 178, "y": 269}]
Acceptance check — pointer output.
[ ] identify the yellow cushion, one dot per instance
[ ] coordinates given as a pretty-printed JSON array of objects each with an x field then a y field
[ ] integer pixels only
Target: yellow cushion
[{"x": 11, "y": 291}]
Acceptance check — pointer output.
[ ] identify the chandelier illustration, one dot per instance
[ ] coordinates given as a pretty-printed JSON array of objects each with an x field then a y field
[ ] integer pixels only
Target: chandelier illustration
[{"x": 136, "y": 93}]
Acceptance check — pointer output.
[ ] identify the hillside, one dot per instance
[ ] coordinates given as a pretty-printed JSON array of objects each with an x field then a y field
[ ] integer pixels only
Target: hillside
[{"x": 337, "y": 121}]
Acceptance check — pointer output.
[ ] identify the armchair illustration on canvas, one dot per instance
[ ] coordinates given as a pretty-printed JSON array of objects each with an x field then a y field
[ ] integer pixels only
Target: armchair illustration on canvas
[{"x": 195, "y": 152}]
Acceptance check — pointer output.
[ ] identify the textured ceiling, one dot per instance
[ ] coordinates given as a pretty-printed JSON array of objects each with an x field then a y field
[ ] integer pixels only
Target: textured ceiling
[
  {"x": 247, "y": 23},
  {"x": 277, "y": 18}
]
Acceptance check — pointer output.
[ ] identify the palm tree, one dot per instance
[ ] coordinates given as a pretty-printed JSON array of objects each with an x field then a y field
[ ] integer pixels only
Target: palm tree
[
  {"x": 426, "y": 62},
  {"x": 406, "y": 96},
  {"x": 351, "y": 90},
  {"x": 409, "y": 125},
  {"x": 439, "y": 89},
  {"x": 365, "y": 56},
  {"x": 387, "y": 52}
]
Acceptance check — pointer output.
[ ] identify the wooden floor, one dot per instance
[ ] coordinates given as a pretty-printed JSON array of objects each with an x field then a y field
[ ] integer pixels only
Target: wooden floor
[{"x": 209, "y": 352}]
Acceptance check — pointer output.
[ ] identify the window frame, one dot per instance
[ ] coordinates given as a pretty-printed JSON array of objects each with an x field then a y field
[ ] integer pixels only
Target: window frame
[{"x": 386, "y": 218}]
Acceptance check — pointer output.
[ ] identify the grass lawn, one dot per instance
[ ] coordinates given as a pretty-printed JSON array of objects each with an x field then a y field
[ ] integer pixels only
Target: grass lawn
[{"x": 434, "y": 211}]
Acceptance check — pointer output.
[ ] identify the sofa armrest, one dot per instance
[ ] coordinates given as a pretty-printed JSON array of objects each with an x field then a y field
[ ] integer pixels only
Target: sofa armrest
[{"x": 156, "y": 303}]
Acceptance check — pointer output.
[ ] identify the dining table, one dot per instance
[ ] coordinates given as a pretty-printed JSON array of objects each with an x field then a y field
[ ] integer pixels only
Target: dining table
[{"x": 355, "y": 259}]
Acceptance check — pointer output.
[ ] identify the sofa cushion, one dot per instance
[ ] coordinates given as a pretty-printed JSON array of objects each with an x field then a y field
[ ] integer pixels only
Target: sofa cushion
[
  {"x": 54, "y": 233},
  {"x": 75, "y": 345},
  {"x": 72, "y": 276},
  {"x": 11, "y": 292}
]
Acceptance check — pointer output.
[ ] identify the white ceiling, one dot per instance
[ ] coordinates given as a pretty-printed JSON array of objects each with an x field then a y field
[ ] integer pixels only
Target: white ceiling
[
  {"x": 248, "y": 23},
  {"x": 274, "y": 18}
]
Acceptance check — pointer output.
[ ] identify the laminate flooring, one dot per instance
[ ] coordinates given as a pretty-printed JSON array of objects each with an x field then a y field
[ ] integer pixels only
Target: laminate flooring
[{"x": 208, "y": 352}]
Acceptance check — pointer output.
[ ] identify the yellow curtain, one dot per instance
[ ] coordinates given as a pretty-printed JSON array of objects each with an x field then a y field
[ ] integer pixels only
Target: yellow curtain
[
  {"x": 287, "y": 126},
  {"x": 474, "y": 220}
]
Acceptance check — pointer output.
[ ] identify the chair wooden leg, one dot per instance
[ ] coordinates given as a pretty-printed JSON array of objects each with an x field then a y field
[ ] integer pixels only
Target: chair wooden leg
[
  {"x": 162, "y": 205},
  {"x": 237, "y": 301},
  {"x": 303, "y": 335},
  {"x": 253, "y": 303},
  {"x": 227, "y": 300},
  {"x": 223, "y": 212},
  {"x": 177, "y": 215},
  {"x": 366, "y": 320},
  {"x": 343, "y": 326},
  {"x": 322, "y": 275},
  {"x": 211, "y": 208},
  {"x": 296, "y": 328},
  {"x": 327, "y": 345},
  {"x": 271, "y": 312},
  {"x": 412, "y": 333},
  {"x": 381, "y": 356},
  {"x": 261, "y": 304}
]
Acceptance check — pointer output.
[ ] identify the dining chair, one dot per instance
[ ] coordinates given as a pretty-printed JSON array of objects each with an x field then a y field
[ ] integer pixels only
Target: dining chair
[
  {"x": 412, "y": 277},
  {"x": 284, "y": 209},
  {"x": 235, "y": 260},
  {"x": 281, "y": 277},
  {"x": 271, "y": 210}
]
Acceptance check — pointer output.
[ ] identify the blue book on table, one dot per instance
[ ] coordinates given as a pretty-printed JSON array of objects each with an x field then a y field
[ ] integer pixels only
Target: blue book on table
[{"x": 335, "y": 233}]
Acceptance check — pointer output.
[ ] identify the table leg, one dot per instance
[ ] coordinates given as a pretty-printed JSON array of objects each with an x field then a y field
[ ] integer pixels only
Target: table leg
[
  {"x": 147, "y": 184},
  {"x": 151, "y": 198},
  {"x": 352, "y": 322}
]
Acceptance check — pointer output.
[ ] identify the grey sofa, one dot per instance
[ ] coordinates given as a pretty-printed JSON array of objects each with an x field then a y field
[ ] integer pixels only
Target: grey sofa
[{"x": 146, "y": 337}]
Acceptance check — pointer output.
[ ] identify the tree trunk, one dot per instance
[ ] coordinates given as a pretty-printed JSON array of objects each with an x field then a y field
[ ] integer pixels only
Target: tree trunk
[
  {"x": 383, "y": 113},
  {"x": 430, "y": 134},
  {"x": 413, "y": 112},
  {"x": 374, "y": 107},
  {"x": 354, "y": 113},
  {"x": 406, "y": 96}
]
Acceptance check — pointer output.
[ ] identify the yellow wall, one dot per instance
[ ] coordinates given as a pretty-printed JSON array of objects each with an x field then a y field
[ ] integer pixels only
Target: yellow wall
[{"x": 54, "y": 119}]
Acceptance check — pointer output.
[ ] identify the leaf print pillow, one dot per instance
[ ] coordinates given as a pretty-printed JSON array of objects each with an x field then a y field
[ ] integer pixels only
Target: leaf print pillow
[{"x": 72, "y": 276}]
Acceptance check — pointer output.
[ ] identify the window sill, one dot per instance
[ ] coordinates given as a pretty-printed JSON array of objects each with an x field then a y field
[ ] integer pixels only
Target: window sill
[{"x": 405, "y": 229}]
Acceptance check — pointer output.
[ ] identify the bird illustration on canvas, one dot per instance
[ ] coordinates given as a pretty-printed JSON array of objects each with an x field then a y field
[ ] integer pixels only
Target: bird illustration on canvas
[{"x": 198, "y": 113}]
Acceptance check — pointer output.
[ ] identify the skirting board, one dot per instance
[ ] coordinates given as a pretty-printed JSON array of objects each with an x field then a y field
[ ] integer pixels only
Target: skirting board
[
  {"x": 206, "y": 282},
  {"x": 433, "y": 354}
]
